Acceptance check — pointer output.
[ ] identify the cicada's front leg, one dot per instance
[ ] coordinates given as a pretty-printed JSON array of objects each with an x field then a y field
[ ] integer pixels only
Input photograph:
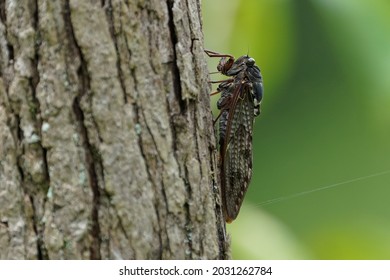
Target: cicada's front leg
[{"x": 225, "y": 63}]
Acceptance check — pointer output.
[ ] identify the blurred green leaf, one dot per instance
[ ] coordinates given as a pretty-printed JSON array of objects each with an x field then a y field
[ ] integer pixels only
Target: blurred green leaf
[{"x": 264, "y": 237}]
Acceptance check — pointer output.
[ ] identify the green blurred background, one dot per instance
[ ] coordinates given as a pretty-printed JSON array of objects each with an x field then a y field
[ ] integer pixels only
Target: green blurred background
[{"x": 325, "y": 122}]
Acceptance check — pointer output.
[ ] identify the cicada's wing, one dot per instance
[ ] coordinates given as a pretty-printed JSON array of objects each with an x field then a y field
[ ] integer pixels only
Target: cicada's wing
[{"x": 236, "y": 148}]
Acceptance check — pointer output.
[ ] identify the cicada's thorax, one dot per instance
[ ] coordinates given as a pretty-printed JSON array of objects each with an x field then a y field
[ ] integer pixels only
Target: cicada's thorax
[{"x": 244, "y": 71}]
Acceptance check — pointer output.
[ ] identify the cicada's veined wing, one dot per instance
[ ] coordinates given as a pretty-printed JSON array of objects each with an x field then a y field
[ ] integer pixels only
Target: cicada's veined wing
[{"x": 236, "y": 126}]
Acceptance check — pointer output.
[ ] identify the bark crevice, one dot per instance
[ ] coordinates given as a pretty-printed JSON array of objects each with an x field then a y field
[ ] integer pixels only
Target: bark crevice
[
  {"x": 91, "y": 152},
  {"x": 3, "y": 14},
  {"x": 175, "y": 68},
  {"x": 110, "y": 18},
  {"x": 90, "y": 158}
]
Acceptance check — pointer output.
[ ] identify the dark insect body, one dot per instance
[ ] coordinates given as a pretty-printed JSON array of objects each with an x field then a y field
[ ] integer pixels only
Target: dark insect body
[{"x": 239, "y": 105}]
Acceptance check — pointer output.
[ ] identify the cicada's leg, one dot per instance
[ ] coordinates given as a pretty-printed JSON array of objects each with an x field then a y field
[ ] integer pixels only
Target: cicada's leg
[
  {"x": 221, "y": 81},
  {"x": 225, "y": 63},
  {"x": 218, "y": 89},
  {"x": 215, "y": 54},
  {"x": 217, "y": 118}
]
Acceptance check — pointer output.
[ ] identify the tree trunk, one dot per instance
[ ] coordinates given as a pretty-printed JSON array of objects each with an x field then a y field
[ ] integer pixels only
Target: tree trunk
[{"x": 107, "y": 147}]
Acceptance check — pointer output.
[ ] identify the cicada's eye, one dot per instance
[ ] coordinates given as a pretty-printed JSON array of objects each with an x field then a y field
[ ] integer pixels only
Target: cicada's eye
[{"x": 250, "y": 61}]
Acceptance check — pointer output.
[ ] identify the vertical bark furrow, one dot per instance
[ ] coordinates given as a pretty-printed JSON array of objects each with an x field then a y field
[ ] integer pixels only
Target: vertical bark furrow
[
  {"x": 3, "y": 13},
  {"x": 113, "y": 32},
  {"x": 93, "y": 181},
  {"x": 91, "y": 155},
  {"x": 45, "y": 183},
  {"x": 175, "y": 69},
  {"x": 67, "y": 218}
]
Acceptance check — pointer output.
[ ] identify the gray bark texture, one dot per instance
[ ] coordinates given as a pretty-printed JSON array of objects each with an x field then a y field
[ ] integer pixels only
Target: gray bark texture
[{"x": 107, "y": 147}]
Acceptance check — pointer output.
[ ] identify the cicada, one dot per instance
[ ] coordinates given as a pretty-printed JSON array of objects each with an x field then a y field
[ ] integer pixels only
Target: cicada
[{"x": 239, "y": 104}]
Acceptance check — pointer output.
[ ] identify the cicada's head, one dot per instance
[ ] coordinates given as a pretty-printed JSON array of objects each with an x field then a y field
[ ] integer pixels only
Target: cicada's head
[{"x": 225, "y": 64}]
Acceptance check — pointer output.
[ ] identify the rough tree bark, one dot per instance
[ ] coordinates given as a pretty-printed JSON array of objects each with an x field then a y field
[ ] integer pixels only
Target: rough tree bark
[{"x": 107, "y": 148}]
